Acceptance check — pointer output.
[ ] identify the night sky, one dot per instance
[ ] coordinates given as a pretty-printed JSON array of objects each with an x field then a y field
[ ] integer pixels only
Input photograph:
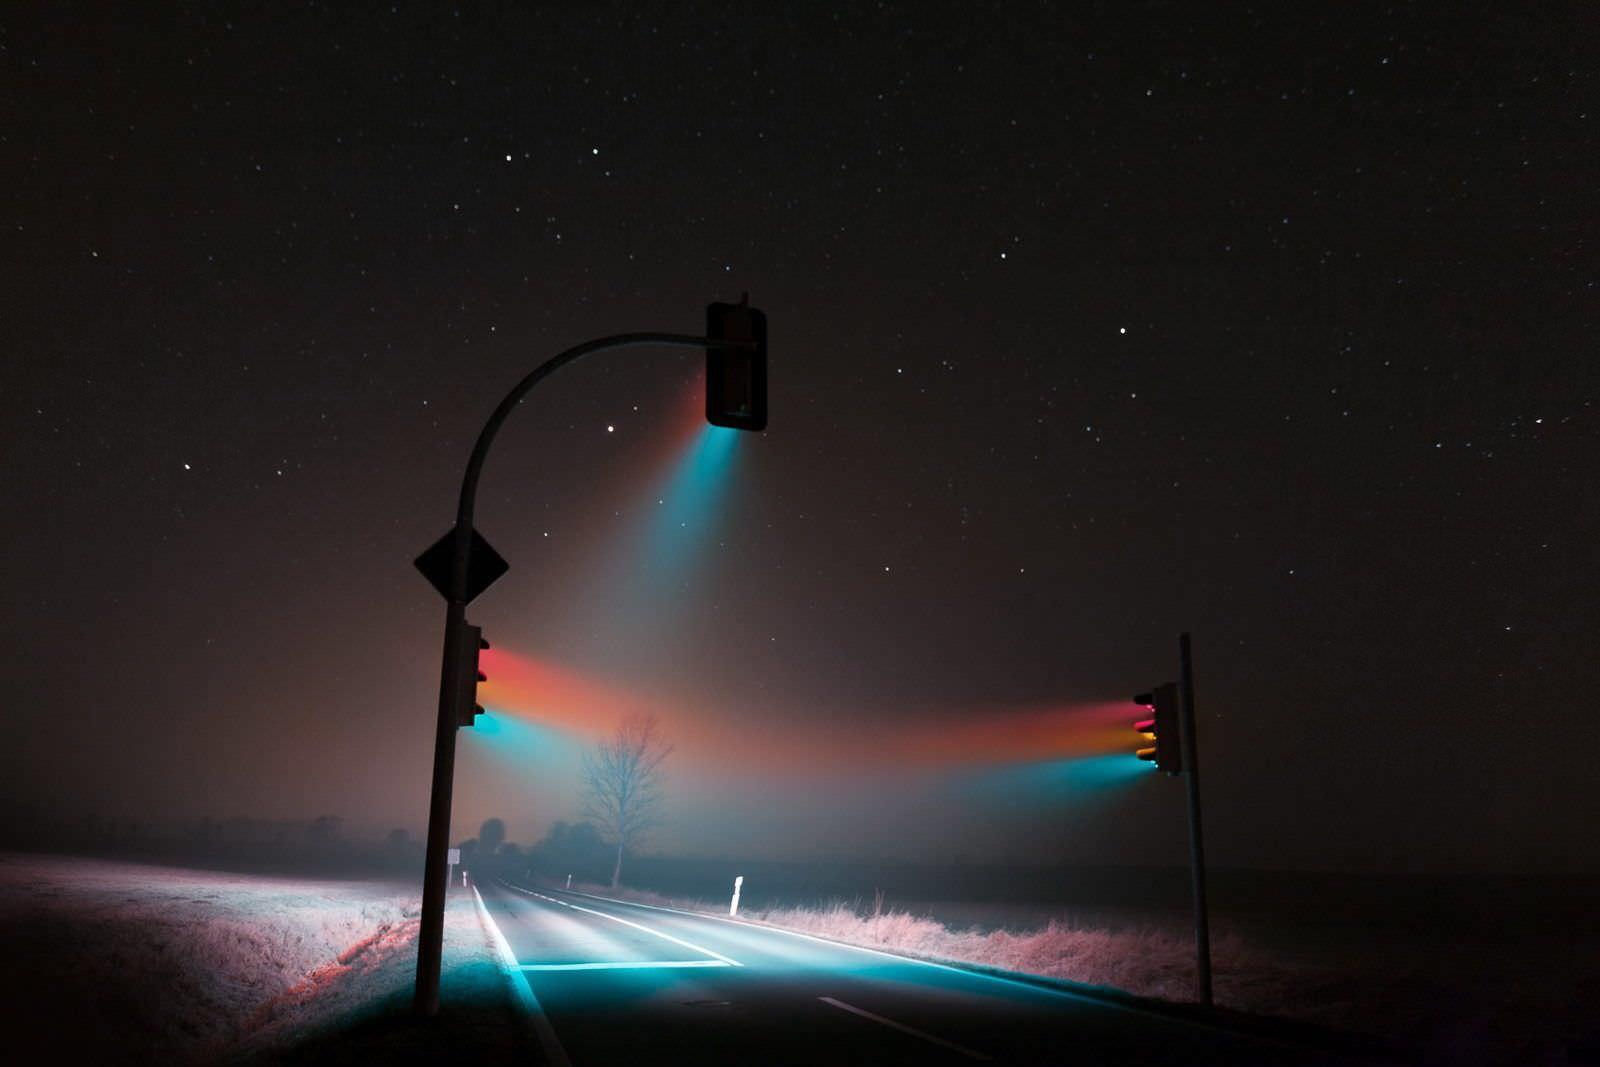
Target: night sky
[{"x": 1088, "y": 325}]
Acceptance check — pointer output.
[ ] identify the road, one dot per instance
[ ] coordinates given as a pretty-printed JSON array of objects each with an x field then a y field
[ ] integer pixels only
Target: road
[{"x": 615, "y": 983}]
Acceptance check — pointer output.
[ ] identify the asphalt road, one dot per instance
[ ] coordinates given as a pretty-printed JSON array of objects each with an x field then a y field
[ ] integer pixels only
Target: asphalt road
[{"x": 615, "y": 983}]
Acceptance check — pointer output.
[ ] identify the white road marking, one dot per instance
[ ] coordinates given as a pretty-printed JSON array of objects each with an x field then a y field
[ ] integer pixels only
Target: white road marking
[
  {"x": 640, "y": 965},
  {"x": 523, "y": 991},
  {"x": 971, "y": 1054},
  {"x": 637, "y": 926}
]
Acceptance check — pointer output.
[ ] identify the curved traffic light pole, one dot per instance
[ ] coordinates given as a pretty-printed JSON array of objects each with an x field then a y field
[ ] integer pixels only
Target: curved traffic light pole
[{"x": 430, "y": 938}]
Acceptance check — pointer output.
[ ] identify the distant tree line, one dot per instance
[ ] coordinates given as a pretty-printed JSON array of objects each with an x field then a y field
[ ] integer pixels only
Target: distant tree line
[
  {"x": 320, "y": 844},
  {"x": 620, "y": 797},
  {"x": 575, "y": 848}
]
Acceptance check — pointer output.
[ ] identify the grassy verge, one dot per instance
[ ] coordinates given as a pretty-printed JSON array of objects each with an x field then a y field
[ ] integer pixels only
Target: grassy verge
[{"x": 139, "y": 963}]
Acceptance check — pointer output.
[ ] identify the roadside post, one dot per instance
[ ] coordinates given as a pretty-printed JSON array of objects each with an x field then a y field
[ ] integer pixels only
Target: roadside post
[{"x": 733, "y": 906}]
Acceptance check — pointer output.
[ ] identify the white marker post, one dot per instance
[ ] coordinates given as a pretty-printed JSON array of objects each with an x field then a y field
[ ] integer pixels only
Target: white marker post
[
  {"x": 569, "y": 881},
  {"x": 733, "y": 907}
]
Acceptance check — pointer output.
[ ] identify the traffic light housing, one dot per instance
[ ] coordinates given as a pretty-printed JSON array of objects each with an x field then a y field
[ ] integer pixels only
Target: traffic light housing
[
  {"x": 467, "y": 676},
  {"x": 736, "y": 378},
  {"x": 1160, "y": 730}
]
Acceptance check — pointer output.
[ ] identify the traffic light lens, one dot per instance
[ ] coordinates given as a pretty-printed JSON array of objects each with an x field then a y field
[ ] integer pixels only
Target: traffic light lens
[
  {"x": 464, "y": 672},
  {"x": 1161, "y": 729}
]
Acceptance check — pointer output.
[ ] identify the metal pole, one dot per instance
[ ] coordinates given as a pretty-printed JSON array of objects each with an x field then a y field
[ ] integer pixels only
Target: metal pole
[
  {"x": 436, "y": 874},
  {"x": 1197, "y": 849}
]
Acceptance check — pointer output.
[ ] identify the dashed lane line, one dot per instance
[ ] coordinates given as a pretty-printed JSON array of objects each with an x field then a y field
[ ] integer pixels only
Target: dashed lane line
[{"x": 971, "y": 1054}]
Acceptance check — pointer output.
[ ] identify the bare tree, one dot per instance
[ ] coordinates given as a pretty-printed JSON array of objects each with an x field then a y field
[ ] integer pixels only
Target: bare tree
[{"x": 622, "y": 780}]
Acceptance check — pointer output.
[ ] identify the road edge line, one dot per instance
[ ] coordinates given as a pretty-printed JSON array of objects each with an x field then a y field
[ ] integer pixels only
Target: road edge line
[{"x": 521, "y": 991}]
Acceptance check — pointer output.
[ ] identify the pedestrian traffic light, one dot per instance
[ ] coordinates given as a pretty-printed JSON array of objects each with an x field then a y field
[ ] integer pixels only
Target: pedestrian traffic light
[
  {"x": 736, "y": 378},
  {"x": 1160, "y": 730},
  {"x": 469, "y": 642}
]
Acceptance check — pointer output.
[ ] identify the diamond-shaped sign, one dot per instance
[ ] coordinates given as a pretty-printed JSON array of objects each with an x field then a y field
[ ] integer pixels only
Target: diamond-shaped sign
[{"x": 484, "y": 566}]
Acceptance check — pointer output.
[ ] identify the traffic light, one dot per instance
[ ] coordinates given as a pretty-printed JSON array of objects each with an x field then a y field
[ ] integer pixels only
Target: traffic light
[
  {"x": 736, "y": 378},
  {"x": 469, "y": 642},
  {"x": 1161, "y": 729}
]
